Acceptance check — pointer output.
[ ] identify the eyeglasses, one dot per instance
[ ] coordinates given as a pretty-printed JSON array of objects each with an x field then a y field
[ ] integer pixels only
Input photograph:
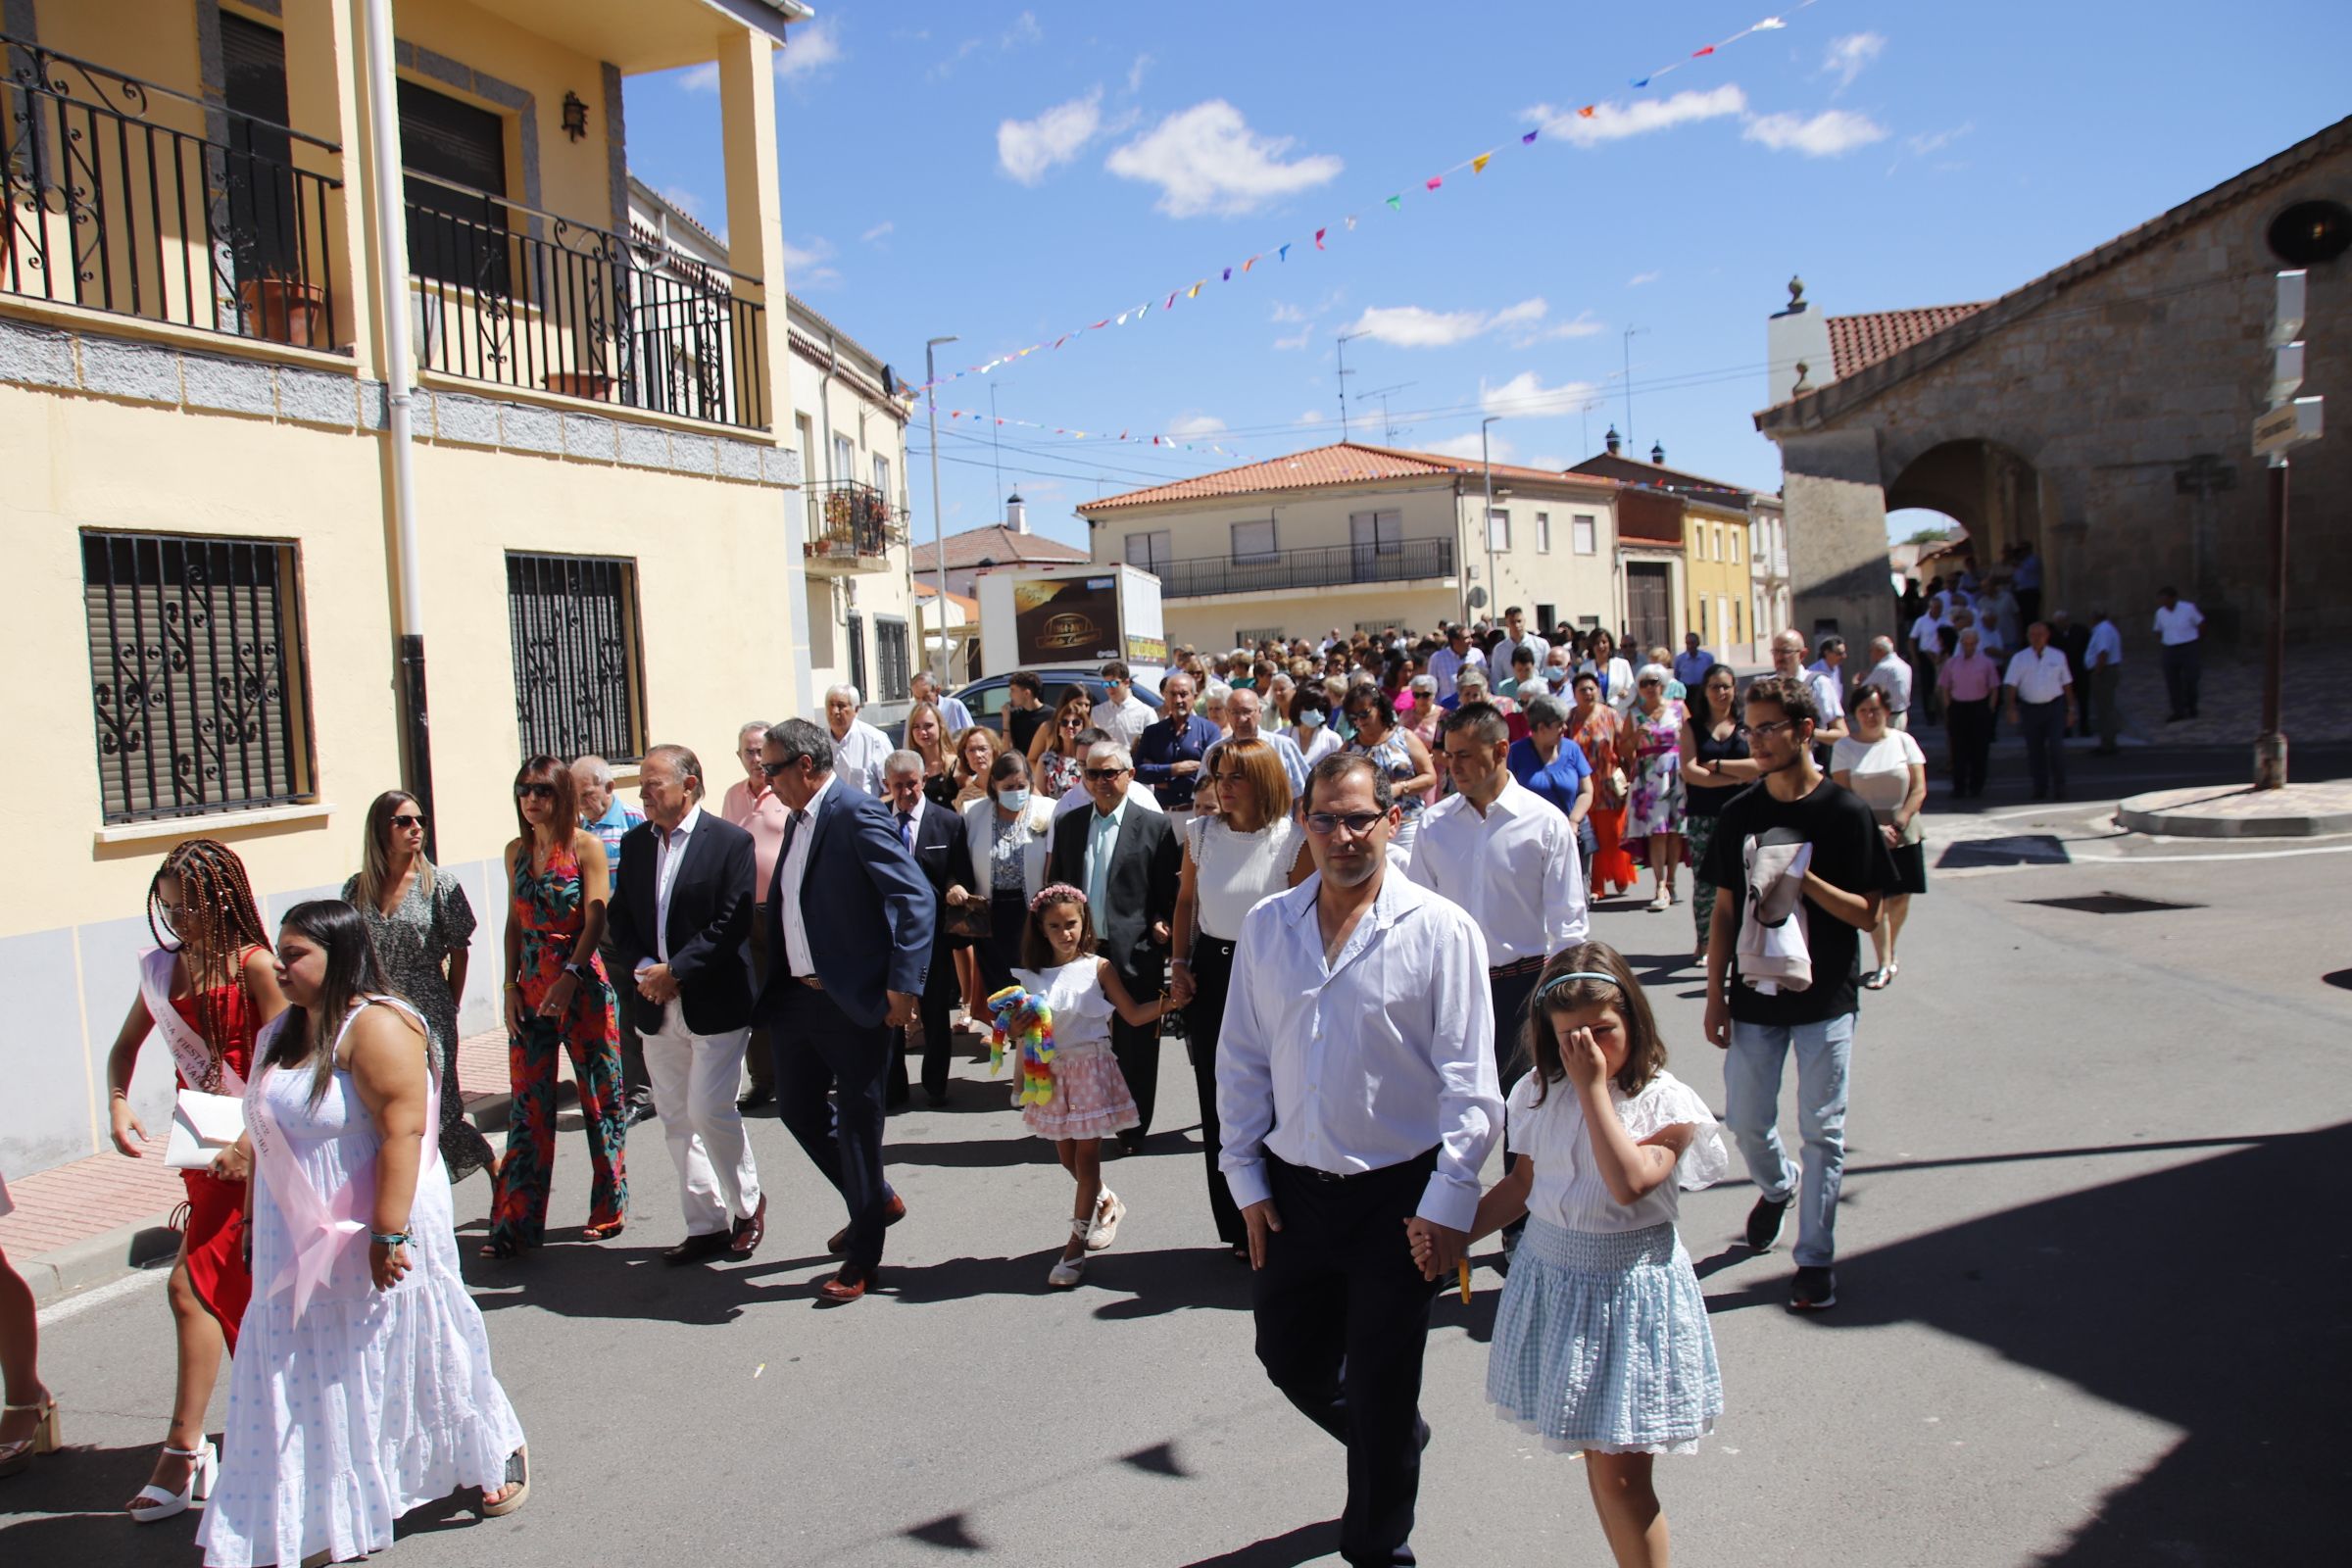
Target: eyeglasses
[
  {"x": 1323, "y": 824},
  {"x": 534, "y": 792},
  {"x": 1772, "y": 726},
  {"x": 1103, "y": 775},
  {"x": 408, "y": 821},
  {"x": 751, "y": 753}
]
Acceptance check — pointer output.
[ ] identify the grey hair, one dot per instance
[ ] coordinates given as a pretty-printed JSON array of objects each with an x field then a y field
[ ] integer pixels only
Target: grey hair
[
  {"x": 749, "y": 725},
  {"x": 845, "y": 689},
  {"x": 681, "y": 757},
  {"x": 796, "y": 738},
  {"x": 1880, "y": 647},
  {"x": 1125, "y": 758},
  {"x": 1546, "y": 710},
  {"x": 1217, "y": 691},
  {"x": 597, "y": 770},
  {"x": 923, "y": 675},
  {"x": 902, "y": 760}
]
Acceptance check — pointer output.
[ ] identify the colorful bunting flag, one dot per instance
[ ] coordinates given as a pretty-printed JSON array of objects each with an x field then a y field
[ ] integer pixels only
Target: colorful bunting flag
[
  {"x": 1285, "y": 253},
  {"x": 1435, "y": 180},
  {"x": 1397, "y": 204},
  {"x": 1478, "y": 164},
  {"x": 1586, "y": 113},
  {"x": 1319, "y": 233},
  {"x": 1194, "y": 292},
  {"x": 1528, "y": 140}
]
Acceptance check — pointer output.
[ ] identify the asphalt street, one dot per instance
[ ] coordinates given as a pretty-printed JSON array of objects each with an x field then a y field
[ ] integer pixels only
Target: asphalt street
[{"x": 2093, "y": 1279}]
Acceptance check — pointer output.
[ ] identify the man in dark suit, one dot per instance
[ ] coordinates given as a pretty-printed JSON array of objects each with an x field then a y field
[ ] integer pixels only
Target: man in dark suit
[
  {"x": 849, "y": 931},
  {"x": 681, "y": 917},
  {"x": 1124, "y": 858},
  {"x": 934, "y": 835}
]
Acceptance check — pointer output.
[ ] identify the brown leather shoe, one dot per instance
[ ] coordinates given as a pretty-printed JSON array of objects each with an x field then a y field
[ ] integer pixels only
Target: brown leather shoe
[
  {"x": 695, "y": 1248},
  {"x": 750, "y": 1231},
  {"x": 842, "y": 1289},
  {"x": 891, "y": 1215}
]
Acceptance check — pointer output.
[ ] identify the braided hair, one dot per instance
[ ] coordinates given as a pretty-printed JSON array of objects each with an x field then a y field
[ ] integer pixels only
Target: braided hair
[{"x": 218, "y": 923}]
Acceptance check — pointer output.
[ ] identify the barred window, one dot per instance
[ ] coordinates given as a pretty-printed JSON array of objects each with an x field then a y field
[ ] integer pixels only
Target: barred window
[
  {"x": 196, "y": 674},
  {"x": 579, "y": 676},
  {"x": 891, "y": 654}
]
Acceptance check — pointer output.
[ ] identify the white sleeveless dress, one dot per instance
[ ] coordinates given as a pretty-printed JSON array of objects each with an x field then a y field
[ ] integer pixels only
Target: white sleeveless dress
[{"x": 371, "y": 1403}]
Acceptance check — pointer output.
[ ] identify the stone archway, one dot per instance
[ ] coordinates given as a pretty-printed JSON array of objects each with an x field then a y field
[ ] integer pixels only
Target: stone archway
[{"x": 1993, "y": 491}]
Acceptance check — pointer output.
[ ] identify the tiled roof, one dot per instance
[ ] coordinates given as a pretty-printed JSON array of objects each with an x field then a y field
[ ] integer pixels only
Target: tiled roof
[
  {"x": 1859, "y": 340},
  {"x": 1341, "y": 462},
  {"x": 998, "y": 545},
  {"x": 963, "y": 604}
]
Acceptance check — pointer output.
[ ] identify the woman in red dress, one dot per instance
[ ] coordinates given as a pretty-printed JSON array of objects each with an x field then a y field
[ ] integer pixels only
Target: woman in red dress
[
  {"x": 1593, "y": 725},
  {"x": 209, "y": 986}
]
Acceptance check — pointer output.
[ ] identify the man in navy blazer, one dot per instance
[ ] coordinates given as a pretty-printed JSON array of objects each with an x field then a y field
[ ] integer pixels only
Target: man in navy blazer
[
  {"x": 849, "y": 928},
  {"x": 681, "y": 920},
  {"x": 935, "y": 834}
]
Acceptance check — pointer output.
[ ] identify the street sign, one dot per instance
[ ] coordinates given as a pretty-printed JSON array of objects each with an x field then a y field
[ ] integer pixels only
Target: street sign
[
  {"x": 2286, "y": 312},
  {"x": 2287, "y": 373},
  {"x": 2288, "y": 426}
]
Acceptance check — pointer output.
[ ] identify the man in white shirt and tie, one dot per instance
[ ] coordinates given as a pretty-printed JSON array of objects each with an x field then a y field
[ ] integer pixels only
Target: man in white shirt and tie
[
  {"x": 2103, "y": 657},
  {"x": 1358, "y": 1103},
  {"x": 857, "y": 747},
  {"x": 2179, "y": 625},
  {"x": 2041, "y": 704}
]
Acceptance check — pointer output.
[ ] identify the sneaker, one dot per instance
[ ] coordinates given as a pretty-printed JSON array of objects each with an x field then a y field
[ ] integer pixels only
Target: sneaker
[
  {"x": 1765, "y": 1222},
  {"x": 1814, "y": 1289}
]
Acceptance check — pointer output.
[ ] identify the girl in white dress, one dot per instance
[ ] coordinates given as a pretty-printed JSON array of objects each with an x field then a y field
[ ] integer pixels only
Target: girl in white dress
[
  {"x": 367, "y": 1391},
  {"x": 1089, "y": 1099}
]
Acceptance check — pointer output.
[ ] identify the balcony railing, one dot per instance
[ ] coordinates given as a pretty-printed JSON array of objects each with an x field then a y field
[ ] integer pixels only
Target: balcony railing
[
  {"x": 1330, "y": 566},
  {"x": 508, "y": 294},
  {"x": 114, "y": 203},
  {"x": 848, "y": 519}
]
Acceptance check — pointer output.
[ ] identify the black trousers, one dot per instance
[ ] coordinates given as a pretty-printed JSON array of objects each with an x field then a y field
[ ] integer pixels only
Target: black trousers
[
  {"x": 635, "y": 1084},
  {"x": 2183, "y": 666},
  {"x": 1137, "y": 1051},
  {"x": 758, "y": 1054},
  {"x": 2044, "y": 729},
  {"x": 820, "y": 1051},
  {"x": 1343, "y": 1320},
  {"x": 1204, "y": 1022},
  {"x": 939, "y": 1000},
  {"x": 1510, "y": 993},
  {"x": 1970, "y": 726}
]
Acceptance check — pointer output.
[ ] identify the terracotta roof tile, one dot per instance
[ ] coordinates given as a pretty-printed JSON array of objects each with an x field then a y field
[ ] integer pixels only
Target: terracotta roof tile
[
  {"x": 1856, "y": 341},
  {"x": 1341, "y": 462},
  {"x": 998, "y": 545}
]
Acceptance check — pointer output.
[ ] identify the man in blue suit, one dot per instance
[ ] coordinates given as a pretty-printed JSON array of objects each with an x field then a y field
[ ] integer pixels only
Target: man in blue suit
[{"x": 849, "y": 927}]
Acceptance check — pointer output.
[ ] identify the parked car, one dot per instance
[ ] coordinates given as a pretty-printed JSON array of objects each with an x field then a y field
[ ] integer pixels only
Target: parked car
[{"x": 989, "y": 697}]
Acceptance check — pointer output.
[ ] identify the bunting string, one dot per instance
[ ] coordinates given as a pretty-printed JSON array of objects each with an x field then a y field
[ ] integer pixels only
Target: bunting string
[{"x": 1278, "y": 256}]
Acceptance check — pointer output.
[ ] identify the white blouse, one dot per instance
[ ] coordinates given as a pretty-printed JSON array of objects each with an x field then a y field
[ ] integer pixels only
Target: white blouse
[
  {"x": 1879, "y": 772},
  {"x": 1569, "y": 1190},
  {"x": 1232, "y": 871}
]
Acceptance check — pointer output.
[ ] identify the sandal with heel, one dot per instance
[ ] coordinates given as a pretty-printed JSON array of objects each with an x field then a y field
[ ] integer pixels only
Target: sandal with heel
[
  {"x": 154, "y": 1504},
  {"x": 518, "y": 1476},
  {"x": 1068, "y": 1271},
  {"x": 15, "y": 1456}
]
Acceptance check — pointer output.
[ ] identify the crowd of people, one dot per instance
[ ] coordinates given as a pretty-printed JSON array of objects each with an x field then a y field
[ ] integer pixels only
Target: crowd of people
[{"x": 1362, "y": 892}]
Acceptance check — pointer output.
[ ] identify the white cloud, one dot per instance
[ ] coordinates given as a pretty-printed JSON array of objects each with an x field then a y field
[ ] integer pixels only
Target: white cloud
[
  {"x": 1614, "y": 121},
  {"x": 1639, "y": 280},
  {"x": 1196, "y": 427},
  {"x": 1938, "y": 140},
  {"x": 1288, "y": 314},
  {"x": 1583, "y": 326},
  {"x": 807, "y": 49},
  {"x": 1207, "y": 159},
  {"x": 1311, "y": 416},
  {"x": 1024, "y": 29},
  {"x": 1525, "y": 395},
  {"x": 1411, "y": 327},
  {"x": 700, "y": 79},
  {"x": 1029, "y": 149},
  {"x": 1547, "y": 459},
  {"x": 1524, "y": 314},
  {"x": 1296, "y": 340},
  {"x": 1852, "y": 55},
  {"x": 1135, "y": 74},
  {"x": 805, "y": 268},
  {"x": 1826, "y": 135},
  {"x": 882, "y": 230},
  {"x": 1466, "y": 447}
]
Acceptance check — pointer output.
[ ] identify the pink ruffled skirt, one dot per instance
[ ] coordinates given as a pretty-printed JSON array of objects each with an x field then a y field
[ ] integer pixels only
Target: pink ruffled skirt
[{"x": 1090, "y": 1096}]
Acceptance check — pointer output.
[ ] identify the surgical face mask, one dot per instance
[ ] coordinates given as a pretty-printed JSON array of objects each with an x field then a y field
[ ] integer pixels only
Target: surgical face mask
[
  {"x": 1012, "y": 800},
  {"x": 1311, "y": 720}
]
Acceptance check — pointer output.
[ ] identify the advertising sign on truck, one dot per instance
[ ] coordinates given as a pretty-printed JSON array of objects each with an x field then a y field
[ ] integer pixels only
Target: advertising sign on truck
[{"x": 1082, "y": 613}]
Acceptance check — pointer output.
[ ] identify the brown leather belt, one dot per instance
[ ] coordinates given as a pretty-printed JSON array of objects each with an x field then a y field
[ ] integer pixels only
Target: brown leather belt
[{"x": 1501, "y": 971}]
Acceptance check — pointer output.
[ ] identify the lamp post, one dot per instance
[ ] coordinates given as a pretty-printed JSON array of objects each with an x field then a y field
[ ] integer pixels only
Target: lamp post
[
  {"x": 1487, "y": 461},
  {"x": 939, "y": 542}
]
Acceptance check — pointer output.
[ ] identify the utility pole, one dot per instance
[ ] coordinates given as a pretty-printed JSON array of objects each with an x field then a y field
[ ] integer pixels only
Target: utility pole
[
  {"x": 1487, "y": 460},
  {"x": 995, "y": 436},
  {"x": 938, "y": 542},
  {"x": 1628, "y": 382},
  {"x": 2290, "y": 422},
  {"x": 1340, "y": 346}
]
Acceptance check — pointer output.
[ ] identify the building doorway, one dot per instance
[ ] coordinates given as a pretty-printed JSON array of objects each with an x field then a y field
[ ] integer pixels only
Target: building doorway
[{"x": 1648, "y": 605}]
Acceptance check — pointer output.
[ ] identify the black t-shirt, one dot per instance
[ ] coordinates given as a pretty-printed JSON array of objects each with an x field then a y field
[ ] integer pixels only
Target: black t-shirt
[
  {"x": 1020, "y": 725},
  {"x": 1848, "y": 853}
]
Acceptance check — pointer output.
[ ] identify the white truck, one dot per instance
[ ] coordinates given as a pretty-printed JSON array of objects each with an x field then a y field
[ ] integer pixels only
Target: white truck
[{"x": 1079, "y": 616}]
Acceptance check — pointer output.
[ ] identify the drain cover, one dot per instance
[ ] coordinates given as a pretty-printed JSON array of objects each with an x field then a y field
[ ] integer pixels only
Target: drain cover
[{"x": 2110, "y": 904}]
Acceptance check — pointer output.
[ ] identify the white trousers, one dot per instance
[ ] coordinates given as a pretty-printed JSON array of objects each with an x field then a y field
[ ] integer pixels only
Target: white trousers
[{"x": 693, "y": 1078}]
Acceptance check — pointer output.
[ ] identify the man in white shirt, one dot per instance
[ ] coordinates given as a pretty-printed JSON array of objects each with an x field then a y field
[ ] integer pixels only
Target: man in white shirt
[
  {"x": 857, "y": 747},
  {"x": 1891, "y": 675},
  {"x": 2179, "y": 624},
  {"x": 1123, "y": 716},
  {"x": 2040, "y": 692},
  {"x": 1788, "y": 658},
  {"x": 2104, "y": 660},
  {"x": 1927, "y": 652},
  {"x": 1449, "y": 662},
  {"x": 1359, "y": 1103},
  {"x": 1246, "y": 714},
  {"x": 953, "y": 718},
  {"x": 1515, "y": 636}
]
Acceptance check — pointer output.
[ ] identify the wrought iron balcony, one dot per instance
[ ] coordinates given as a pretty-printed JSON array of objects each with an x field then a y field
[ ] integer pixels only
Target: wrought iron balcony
[
  {"x": 507, "y": 293},
  {"x": 851, "y": 525},
  {"x": 1328, "y": 566},
  {"x": 111, "y": 206}
]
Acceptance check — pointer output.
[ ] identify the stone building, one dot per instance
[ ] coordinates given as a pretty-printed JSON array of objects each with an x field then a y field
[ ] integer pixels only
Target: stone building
[{"x": 2101, "y": 413}]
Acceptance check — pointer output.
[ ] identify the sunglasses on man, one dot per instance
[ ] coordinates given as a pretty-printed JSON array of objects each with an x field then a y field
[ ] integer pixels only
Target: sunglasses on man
[{"x": 1103, "y": 775}]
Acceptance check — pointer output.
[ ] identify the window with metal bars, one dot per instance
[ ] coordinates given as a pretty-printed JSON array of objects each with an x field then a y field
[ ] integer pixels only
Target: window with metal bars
[
  {"x": 579, "y": 676},
  {"x": 196, "y": 674},
  {"x": 891, "y": 654},
  {"x": 856, "y": 637}
]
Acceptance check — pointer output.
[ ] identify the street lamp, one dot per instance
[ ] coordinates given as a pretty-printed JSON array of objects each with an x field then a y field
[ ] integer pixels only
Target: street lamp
[
  {"x": 1487, "y": 460},
  {"x": 939, "y": 542}
]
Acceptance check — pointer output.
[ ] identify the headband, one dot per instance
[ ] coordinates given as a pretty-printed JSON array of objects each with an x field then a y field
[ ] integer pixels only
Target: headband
[
  {"x": 1057, "y": 892},
  {"x": 1560, "y": 980}
]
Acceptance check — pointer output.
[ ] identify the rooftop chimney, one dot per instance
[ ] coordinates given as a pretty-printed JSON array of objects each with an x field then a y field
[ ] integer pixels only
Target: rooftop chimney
[
  {"x": 1796, "y": 340},
  {"x": 1016, "y": 513},
  {"x": 1615, "y": 440},
  {"x": 1657, "y": 453}
]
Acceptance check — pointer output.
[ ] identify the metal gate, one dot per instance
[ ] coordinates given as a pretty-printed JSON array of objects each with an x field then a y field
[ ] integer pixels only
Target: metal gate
[{"x": 1648, "y": 606}]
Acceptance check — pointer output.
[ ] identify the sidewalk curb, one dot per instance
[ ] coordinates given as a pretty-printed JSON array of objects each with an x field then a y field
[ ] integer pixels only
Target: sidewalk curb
[{"x": 2165, "y": 811}]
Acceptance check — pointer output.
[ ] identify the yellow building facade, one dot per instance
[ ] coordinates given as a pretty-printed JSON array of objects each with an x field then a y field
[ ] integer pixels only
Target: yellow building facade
[
  {"x": 213, "y": 309},
  {"x": 1715, "y": 579}
]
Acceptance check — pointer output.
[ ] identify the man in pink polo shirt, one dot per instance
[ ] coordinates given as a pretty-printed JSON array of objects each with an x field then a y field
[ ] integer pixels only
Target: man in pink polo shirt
[{"x": 1969, "y": 682}]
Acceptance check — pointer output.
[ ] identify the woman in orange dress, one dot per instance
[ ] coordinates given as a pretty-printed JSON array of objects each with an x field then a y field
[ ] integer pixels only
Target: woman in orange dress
[
  {"x": 209, "y": 986},
  {"x": 1593, "y": 725}
]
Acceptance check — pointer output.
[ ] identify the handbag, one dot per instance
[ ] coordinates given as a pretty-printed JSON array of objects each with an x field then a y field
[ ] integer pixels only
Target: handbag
[
  {"x": 203, "y": 1125},
  {"x": 972, "y": 921},
  {"x": 1613, "y": 787}
]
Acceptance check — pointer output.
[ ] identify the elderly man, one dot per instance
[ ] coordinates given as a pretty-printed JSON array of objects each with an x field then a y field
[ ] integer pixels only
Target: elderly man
[
  {"x": 2041, "y": 704},
  {"x": 1516, "y": 636},
  {"x": 857, "y": 747},
  {"x": 603, "y": 814},
  {"x": 681, "y": 916},
  {"x": 1167, "y": 756},
  {"x": 753, "y": 806},
  {"x": 1449, "y": 662},
  {"x": 1077, "y": 798},
  {"x": 1245, "y": 712},
  {"x": 1692, "y": 665},
  {"x": 1125, "y": 860},
  {"x": 2103, "y": 657},
  {"x": 1892, "y": 674},
  {"x": 935, "y": 836},
  {"x": 1788, "y": 658},
  {"x": 1359, "y": 1104},
  {"x": 1967, "y": 683},
  {"x": 953, "y": 718},
  {"x": 1123, "y": 716},
  {"x": 2180, "y": 630}
]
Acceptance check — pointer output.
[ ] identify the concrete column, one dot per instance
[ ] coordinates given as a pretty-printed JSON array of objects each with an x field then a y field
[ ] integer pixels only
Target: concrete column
[{"x": 325, "y": 84}]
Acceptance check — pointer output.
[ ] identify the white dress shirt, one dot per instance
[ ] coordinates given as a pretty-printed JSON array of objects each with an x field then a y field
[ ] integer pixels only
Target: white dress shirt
[
  {"x": 1506, "y": 652},
  {"x": 669, "y": 853},
  {"x": 1893, "y": 675},
  {"x": 1126, "y": 721},
  {"x": 1448, "y": 665},
  {"x": 1515, "y": 871},
  {"x": 2178, "y": 625},
  {"x": 2104, "y": 639},
  {"x": 1367, "y": 1060},
  {"x": 857, "y": 758},
  {"x": 2041, "y": 677},
  {"x": 1927, "y": 633},
  {"x": 796, "y": 868}
]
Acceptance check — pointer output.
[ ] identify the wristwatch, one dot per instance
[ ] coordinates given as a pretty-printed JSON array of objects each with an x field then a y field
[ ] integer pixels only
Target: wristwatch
[{"x": 580, "y": 972}]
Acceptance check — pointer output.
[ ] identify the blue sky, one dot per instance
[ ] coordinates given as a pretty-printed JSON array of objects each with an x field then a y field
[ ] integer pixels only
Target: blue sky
[{"x": 1005, "y": 174}]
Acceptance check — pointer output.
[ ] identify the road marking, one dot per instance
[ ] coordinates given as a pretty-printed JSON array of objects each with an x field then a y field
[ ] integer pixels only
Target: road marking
[{"x": 113, "y": 1290}]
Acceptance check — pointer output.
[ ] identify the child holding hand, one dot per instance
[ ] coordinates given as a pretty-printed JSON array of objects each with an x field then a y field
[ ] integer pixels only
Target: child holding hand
[{"x": 1601, "y": 1344}]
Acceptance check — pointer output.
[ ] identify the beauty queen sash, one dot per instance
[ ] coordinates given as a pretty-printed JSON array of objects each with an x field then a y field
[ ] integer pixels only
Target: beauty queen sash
[{"x": 200, "y": 1066}]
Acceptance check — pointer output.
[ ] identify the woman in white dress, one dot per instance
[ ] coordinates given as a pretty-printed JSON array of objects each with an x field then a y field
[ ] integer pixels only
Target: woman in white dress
[{"x": 367, "y": 1390}]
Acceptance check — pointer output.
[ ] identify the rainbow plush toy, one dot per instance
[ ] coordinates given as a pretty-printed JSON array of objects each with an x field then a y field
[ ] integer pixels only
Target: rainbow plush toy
[{"x": 1024, "y": 1021}]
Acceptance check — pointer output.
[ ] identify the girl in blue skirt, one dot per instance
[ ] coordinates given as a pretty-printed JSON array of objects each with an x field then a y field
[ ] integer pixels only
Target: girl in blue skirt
[{"x": 1601, "y": 1343}]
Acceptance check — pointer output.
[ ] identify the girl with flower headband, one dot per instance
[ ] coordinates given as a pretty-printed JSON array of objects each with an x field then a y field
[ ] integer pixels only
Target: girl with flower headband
[
  {"x": 1069, "y": 995},
  {"x": 1601, "y": 1344}
]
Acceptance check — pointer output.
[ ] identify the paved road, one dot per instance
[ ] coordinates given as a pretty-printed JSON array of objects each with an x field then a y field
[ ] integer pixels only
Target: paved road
[{"x": 2093, "y": 1288}]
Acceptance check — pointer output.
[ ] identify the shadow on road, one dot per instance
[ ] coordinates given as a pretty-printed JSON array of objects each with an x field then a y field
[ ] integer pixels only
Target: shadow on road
[{"x": 1285, "y": 1551}]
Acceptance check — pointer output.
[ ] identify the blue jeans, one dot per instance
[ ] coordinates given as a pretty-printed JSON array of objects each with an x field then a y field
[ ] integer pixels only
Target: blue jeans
[{"x": 1751, "y": 1087}]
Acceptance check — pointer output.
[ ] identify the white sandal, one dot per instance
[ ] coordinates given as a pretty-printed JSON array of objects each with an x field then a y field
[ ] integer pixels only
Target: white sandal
[
  {"x": 1108, "y": 1211},
  {"x": 16, "y": 1456},
  {"x": 154, "y": 1504},
  {"x": 1068, "y": 1271}
]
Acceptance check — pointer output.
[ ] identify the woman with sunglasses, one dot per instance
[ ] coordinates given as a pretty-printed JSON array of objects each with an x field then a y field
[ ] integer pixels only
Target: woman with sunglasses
[
  {"x": 557, "y": 999},
  {"x": 1056, "y": 756},
  {"x": 422, "y": 927}
]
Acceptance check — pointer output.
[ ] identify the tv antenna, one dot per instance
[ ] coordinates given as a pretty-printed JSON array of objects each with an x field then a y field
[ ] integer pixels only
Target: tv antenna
[{"x": 1388, "y": 425}]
